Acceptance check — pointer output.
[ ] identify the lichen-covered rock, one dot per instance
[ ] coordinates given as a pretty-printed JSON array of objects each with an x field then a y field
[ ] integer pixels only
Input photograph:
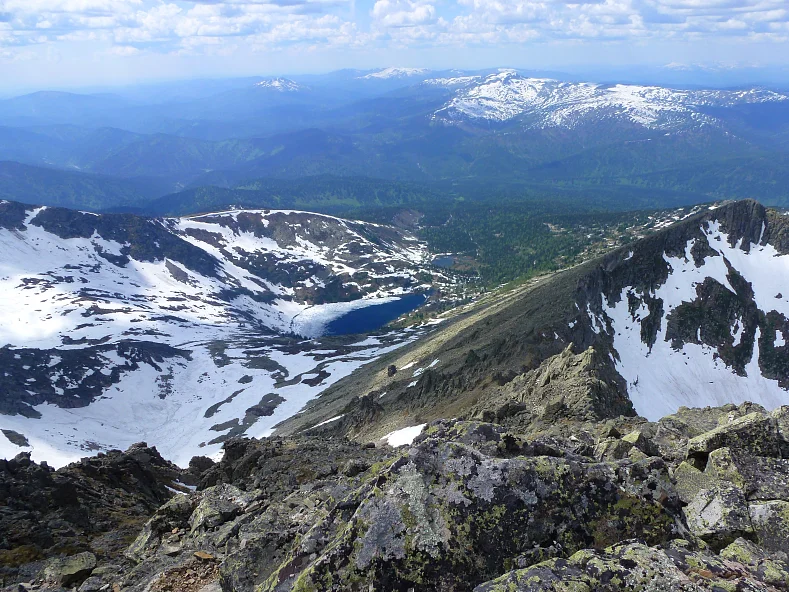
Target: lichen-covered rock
[
  {"x": 96, "y": 505},
  {"x": 633, "y": 566},
  {"x": 444, "y": 516},
  {"x": 644, "y": 443},
  {"x": 690, "y": 481},
  {"x": 755, "y": 433},
  {"x": 770, "y": 522},
  {"x": 771, "y": 568},
  {"x": 719, "y": 515},
  {"x": 781, "y": 416},
  {"x": 581, "y": 386},
  {"x": 672, "y": 433},
  {"x": 469, "y": 500},
  {"x": 218, "y": 505},
  {"x": 172, "y": 516},
  {"x": 612, "y": 449},
  {"x": 759, "y": 477},
  {"x": 71, "y": 570}
]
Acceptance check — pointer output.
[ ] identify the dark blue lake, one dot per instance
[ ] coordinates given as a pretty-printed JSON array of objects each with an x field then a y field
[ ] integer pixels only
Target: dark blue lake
[
  {"x": 370, "y": 318},
  {"x": 444, "y": 261}
]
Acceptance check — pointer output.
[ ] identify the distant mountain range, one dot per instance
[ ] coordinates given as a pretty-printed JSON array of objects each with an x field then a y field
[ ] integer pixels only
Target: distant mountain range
[
  {"x": 439, "y": 129},
  {"x": 542, "y": 103}
]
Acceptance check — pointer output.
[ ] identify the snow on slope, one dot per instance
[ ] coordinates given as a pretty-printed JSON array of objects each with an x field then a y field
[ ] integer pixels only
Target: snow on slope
[
  {"x": 280, "y": 84},
  {"x": 57, "y": 276},
  {"x": 396, "y": 73},
  {"x": 173, "y": 407},
  {"x": 174, "y": 336},
  {"x": 662, "y": 378},
  {"x": 550, "y": 103},
  {"x": 453, "y": 81}
]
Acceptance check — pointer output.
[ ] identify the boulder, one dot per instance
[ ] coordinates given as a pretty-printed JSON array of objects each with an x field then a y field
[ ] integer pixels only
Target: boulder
[
  {"x": 67, "y": 571},
  {"x": 612, "y": 449},
  {"x": 631, "y": 566},
  {"x": 770, "y": 522},
  {"x": 773, "y": 569},
  {"x": 690, "y": 481},
  {"x": 719, "y": 515},
  {"x": 641, "y": 441},
  {"x": 403, "y": 527},
  {"x": 781, "y": 416},
  {"x": 760, "y": 478},
  {"x": 218, "y": 505},
  {"x": 754, "y": 433}
]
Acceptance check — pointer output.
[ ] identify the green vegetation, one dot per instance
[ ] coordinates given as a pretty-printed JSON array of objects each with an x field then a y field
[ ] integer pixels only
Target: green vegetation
[
  {"x": 500, "y": 232},
  {"x": 325, "y": 194},
  {"x": 38, "y": 185}
]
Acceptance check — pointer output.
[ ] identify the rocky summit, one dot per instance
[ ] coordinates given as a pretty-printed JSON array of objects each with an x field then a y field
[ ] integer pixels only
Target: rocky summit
[{"x": 698, "y": 500}]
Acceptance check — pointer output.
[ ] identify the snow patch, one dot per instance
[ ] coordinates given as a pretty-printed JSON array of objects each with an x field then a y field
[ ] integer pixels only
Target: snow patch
[{"x": 404, "y": 436}]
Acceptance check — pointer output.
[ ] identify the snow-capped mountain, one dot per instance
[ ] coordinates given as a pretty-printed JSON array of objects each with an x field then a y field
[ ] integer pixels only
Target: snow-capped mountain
[
  {"x": 118, "y": 329},
  {"x": 392, "y": 72},
  {"x": 280, "y": 84},
  {"x": 453, "y": 81},
  {"x": 544, "y": 103}
]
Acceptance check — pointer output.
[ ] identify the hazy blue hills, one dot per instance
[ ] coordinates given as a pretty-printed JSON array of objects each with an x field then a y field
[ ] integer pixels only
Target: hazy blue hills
[{"x": 454, "y": 135}]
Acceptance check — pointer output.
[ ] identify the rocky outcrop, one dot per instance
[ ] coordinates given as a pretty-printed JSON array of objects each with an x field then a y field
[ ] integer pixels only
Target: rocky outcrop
[
  {"x": 93, "y": 508},
  {"x": 619, "y": 505},
  {"x": 459, "y": 506},
  {"x": 636, "y": 566},
  {"x": 582, "y": 387}
]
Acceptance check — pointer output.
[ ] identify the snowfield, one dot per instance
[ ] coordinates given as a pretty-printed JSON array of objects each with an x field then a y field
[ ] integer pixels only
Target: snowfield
[
  {"x": 396, "y": 73},
  {"x": 192, "y": 330},
  {"x": 280, "y": 84}
]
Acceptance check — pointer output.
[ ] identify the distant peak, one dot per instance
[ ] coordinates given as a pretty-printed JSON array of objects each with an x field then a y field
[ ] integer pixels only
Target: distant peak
[
  {"x": 396, "y": 73},
  {"x": 280, "y": 84}
]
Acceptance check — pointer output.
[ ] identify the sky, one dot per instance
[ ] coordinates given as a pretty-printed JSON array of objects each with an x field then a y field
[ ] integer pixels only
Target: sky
[{"x": 61, "y": 43}]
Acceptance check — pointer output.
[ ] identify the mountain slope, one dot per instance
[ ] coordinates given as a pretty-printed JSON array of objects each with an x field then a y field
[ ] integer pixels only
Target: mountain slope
[
  {"x": 182, "y": 331},
  {"x": 693, "y": 315}
]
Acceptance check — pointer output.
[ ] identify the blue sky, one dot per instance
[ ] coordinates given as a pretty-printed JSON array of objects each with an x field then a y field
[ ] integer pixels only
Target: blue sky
[{"x": 57, "y": 43}]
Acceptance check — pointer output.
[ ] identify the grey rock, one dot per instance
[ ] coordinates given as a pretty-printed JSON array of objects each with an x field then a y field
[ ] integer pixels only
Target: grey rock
[
  {"x": 71, "y": 570},
  {"x": 719, "y": 515}
]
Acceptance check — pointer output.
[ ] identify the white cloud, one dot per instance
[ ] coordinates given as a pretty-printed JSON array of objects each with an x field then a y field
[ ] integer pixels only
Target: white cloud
[
  {"x": 217, "y": 26},
  {"x": 403, "y": 13}
]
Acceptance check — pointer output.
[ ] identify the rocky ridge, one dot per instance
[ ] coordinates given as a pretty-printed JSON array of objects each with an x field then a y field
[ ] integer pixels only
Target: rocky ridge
[
  {"x": 693, "y": 315},
  {"x": 696, "y": 501}
]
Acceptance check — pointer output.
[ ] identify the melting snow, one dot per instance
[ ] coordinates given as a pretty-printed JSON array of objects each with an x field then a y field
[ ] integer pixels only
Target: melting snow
[
  {"x": 404, "y": 436},
  {"x": 328, "y": 421},
  {"x": 47, "y": 283},
  {"x": 397, "y": 73}
]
